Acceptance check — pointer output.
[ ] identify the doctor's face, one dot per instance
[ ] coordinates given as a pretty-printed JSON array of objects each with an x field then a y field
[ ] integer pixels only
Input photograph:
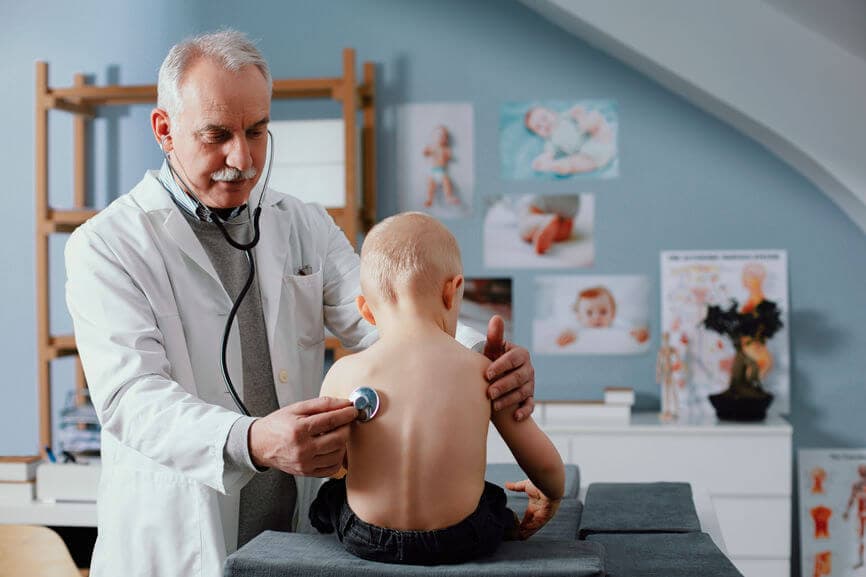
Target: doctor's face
[{"x": 219, "y": 132}]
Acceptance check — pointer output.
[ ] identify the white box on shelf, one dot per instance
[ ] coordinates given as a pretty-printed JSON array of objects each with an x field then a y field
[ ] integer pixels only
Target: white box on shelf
[
  {"x": 18, "y": 468},
  {"x": 16, "y": 492},
  {"x": 619, "y": 396},
  {"x": 561, "y": 413},
  {"x": 67, "y": 482}
]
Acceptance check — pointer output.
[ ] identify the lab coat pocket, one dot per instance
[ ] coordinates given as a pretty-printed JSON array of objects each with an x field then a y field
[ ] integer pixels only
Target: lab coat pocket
[{"x": 303, "y": 293}]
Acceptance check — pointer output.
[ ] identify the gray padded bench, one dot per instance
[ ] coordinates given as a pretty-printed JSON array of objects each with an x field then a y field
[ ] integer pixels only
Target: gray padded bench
[
  {"x": 626, "y": 530},
  {"x": 274, "y": 554}
]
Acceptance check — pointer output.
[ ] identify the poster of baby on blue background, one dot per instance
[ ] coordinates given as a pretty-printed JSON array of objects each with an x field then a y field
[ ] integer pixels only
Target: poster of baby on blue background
[{"x": 553, "y": 140}]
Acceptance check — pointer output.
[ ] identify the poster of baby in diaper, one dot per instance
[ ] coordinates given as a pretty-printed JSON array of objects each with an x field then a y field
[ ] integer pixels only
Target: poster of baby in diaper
[
  {"x": 539, "y": 231},
  {"x": 435, "y": 158},
  {"x": 691, "y": 281},
  {"x": 591, "y": 315},
  {"x": 552, "y": 140}
]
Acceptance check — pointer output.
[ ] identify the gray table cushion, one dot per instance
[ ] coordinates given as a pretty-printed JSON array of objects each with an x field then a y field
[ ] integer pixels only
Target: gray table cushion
[
  {"x": 563, "y": 526},
  {"x": 274, "y": 554},
  {"x": 638, "y": 508},
  {"x": 499, "y": 473},
  {"x": 663, "y": 555}
]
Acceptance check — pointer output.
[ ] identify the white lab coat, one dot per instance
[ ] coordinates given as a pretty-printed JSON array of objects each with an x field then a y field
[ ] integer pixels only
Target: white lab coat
[{"x": 149, "y": 310}]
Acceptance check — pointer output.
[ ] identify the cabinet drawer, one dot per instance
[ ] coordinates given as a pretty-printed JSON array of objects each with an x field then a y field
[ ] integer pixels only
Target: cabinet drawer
[{"x": 755, "y": 526}]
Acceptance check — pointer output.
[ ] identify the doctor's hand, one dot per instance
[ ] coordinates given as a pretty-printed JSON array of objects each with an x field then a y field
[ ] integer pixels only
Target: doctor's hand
[
  {"x": 511, "y": 374},
  {"x": 307, "y": 438}
]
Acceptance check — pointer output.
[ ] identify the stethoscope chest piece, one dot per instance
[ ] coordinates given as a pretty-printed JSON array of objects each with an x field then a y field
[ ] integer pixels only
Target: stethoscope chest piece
[{"x": 366, "y": 401}]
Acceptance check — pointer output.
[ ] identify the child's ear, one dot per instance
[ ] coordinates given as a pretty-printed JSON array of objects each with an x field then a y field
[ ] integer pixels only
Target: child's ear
[
  {"x": 365, "y": 310},
  {"x": 452, "y": 291}
]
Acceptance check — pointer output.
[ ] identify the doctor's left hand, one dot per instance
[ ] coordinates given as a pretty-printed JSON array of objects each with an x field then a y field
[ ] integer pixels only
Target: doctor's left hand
[
  {"x": 306, "y": 438},
  {"x": 511, "y": 374}
]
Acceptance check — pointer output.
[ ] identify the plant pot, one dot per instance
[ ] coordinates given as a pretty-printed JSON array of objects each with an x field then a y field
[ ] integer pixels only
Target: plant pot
[{"x": 730, "y": 407}]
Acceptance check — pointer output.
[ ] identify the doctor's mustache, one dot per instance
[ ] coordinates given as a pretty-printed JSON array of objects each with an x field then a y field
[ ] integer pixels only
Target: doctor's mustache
[{"x": 229, "y": 174}]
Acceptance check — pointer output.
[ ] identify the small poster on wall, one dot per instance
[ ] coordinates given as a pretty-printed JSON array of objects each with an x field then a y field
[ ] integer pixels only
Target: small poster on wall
[
  {"x": 832, "y": 512},
  {"x": 483, "y": 298},
  {"x": 435, "y": 159},
  {"x": 585, "y": 315},
  {"x": 539, "y": 231},
  {"x": 551, "y": 140},
  {"x": 692, "y": 282}
]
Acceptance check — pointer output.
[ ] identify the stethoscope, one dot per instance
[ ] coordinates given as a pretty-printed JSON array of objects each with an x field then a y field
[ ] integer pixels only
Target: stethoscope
[
  {"x": 206, "y": 213},
  {"x": 364, "y": 399}
]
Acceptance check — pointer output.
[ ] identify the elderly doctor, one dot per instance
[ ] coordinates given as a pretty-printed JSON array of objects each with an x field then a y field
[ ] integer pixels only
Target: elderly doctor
[{"x": 186, "y": 478}]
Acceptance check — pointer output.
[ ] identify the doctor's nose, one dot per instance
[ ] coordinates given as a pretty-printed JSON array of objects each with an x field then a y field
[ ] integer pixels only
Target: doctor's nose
[{"x": 238, "y": 155}]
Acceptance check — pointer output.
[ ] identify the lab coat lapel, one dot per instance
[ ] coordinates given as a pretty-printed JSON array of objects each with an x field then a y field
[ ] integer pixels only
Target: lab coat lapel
[
  {"x": 272, "y": 258},
  {"x": 179, "y": 230}
]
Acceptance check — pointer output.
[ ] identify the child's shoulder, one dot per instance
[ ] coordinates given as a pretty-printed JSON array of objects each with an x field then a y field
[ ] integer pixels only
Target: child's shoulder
[
  {"x": 472, "y": 359},
  {"x": 339, "y": 378}
]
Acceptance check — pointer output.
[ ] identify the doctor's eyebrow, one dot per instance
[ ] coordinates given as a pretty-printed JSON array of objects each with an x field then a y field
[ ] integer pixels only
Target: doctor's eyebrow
[{"x": 219, "y": 129}]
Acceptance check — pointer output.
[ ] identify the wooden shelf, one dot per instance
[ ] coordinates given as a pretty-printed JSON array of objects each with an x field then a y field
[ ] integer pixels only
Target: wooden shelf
[
  {"x": 66, "y": 220},
  {"x": 62, "y": 346}
]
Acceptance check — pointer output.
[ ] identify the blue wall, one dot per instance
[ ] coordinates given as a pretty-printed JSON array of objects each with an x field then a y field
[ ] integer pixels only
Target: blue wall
[{"x": 687, "y": 180}]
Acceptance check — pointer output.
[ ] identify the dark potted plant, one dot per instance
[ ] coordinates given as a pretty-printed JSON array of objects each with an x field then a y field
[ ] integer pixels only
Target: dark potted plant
[{"x": 745, "y": 398}]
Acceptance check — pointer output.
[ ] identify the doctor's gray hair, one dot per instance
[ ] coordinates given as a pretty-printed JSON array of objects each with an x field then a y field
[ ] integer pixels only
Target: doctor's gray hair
[
  {"x": 229, "y": 48},
  {"x": 408, "y": 254}
]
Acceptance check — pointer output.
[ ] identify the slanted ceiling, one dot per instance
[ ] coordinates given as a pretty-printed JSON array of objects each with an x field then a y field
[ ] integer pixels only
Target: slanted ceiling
[{"x": 772, "y": 77}]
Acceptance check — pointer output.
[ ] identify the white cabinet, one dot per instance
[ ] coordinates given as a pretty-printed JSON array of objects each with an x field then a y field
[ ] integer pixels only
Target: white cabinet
[{"x": 745, "y": 468}]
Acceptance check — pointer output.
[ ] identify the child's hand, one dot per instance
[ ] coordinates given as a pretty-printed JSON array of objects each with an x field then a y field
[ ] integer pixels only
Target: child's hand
[
  {"x": 539, "y": 509},
  {"x": 566, "y": 338}
]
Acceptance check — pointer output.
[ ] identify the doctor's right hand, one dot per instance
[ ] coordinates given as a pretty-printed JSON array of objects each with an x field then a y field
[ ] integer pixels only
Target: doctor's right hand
[{"x": 307, "y": 438}]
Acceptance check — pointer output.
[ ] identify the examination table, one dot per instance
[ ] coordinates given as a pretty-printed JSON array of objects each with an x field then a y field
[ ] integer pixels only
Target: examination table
[{"x": 618, "y": 530}]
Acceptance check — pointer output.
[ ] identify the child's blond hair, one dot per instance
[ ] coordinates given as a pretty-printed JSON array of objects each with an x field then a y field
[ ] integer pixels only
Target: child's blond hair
[{"x": 408, "y": 254}]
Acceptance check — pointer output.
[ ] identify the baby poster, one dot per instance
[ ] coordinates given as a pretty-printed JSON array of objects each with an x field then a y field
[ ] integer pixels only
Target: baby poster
[
  {"x": 691, "y": 281},
  {"x": 552, "y": 140},
  {"x": 591, "y": 315},
  {"x": 832, "y": 512},
  {"x": 435, "y": 159},
  {"x": 483, "y": 298},
  {"x": 539, "y": 231}
]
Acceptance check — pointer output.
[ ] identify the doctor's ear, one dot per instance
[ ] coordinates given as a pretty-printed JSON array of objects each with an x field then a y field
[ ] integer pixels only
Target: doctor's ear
[
  {"x": 365, "y": 310},
  {"x": 161, "y": 126}
]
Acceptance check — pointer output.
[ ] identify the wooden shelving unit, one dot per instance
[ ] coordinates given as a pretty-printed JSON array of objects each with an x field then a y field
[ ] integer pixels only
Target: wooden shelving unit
[{"x": 81, "y": 100}]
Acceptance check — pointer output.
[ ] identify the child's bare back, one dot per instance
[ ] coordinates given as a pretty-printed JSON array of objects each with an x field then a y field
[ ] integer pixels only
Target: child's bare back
[
  {"x": 419, "y": 464},
  {"x": 428, "y": 438}
]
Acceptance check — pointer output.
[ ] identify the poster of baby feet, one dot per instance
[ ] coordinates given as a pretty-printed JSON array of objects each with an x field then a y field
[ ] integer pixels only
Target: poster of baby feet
[
  {"x": 435, "y": 159},
  {"x": 554, "y": 140},
  {"x": 832, "y": 512},
  {"x": 591, "y": 315},
  {"x": 738, "y": 282},
  {"x": 539, "y": 231}
]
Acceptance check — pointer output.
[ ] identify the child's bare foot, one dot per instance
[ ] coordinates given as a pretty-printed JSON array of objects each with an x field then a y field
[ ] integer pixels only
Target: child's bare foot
[
  {"x": 544, "y": 236},
  {"x": 452, "y": 199}
]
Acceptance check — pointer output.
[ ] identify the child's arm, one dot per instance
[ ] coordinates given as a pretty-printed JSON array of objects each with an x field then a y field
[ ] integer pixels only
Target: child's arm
[
  {"x": 534, "y": 452},
  {"x": 540, "y": 460}
]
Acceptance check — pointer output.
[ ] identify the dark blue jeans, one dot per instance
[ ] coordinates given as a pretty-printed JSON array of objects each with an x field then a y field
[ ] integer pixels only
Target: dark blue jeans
[{"x": 478, "y": 535}]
